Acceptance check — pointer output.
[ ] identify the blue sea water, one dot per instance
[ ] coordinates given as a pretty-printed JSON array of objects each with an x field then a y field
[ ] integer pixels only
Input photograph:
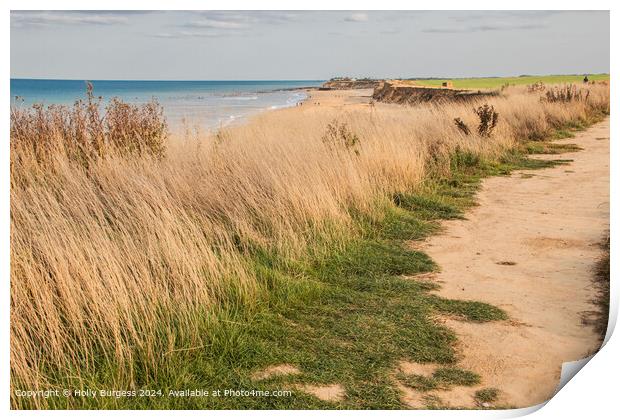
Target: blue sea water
[{"x": 207, "y": 103}]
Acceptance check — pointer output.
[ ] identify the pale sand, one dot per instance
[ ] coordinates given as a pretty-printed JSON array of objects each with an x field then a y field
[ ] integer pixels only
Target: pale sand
[
  {"x": 275, "y": 370},
  {"x": 550, "y": 225},
  {"x": 331, "y": 392},
  {"x": 338, "y": 98}
]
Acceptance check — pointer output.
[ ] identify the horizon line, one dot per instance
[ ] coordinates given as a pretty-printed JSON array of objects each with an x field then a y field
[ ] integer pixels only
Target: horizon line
[{"x": 307, "y": 80}]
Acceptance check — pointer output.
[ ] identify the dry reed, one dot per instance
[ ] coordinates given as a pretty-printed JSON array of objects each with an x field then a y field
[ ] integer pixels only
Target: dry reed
[{"x": 113, "y": 263}]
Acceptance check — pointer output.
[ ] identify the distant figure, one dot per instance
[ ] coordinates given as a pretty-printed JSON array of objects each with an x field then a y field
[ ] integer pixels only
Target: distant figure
[{"x": 585, "y": 79}]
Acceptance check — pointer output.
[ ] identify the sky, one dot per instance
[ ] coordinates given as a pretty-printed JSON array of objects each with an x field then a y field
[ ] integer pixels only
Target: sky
[{"x": 305, "y": 45}]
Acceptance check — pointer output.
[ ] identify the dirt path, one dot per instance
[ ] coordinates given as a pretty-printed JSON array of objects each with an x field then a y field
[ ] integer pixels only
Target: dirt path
[{"x": 529, "y": 248}]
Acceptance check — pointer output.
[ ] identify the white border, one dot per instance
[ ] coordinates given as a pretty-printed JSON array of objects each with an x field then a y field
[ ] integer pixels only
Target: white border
[{"x": 592, "y": 393}]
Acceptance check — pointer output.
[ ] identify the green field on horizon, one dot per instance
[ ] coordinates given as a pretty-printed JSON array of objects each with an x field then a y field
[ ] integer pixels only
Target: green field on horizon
[{"x": 496, "y": 82}]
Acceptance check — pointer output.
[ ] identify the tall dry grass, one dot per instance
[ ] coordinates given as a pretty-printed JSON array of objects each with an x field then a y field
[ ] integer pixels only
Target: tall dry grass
[{"x": 117, "y": 257}]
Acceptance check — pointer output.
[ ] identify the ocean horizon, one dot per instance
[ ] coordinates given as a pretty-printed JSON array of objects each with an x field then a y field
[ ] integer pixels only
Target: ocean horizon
[{"x": 208, "y": 103}]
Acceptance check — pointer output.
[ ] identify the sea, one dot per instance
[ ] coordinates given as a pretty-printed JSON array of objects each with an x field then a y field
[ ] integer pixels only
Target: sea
[{"x": 208, "y": 104}]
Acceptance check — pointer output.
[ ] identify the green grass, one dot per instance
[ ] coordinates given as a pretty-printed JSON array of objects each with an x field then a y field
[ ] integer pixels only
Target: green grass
[
  {"x": 486, "y": 395},
  {"x": 347, "y": 315},
  {"x": 442, "y": 378},
  {"x": 548, "y": 148},
  {"x": 418, "y": 382},
  {"x": 497, "y": 82},
  {"x": 453, "y": 376}
]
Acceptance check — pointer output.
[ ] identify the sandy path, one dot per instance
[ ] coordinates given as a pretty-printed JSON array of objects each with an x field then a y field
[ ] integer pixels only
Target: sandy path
[{"x": 549, "y": 224}]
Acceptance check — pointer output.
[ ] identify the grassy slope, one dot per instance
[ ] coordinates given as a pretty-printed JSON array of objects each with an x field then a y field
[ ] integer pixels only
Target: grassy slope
[
  {"x": 496, "y": 82},
  {"x": 346, "y": 317}
]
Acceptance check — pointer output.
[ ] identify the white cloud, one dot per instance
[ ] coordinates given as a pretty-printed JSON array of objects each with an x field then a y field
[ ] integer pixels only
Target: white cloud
[
  {"x": 483, "y": 28},
  {"x": 23, "y": 18},
  {"x": 187, "y": 34},
  {"x": 357, "y": 17},
  {"x": 216, "y": 24},
  {"x": 237, "y": 20},
  {"x": 256, "y": 16}
]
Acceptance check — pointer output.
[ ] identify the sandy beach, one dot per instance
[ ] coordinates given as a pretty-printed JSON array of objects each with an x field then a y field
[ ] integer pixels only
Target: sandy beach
[{"x": 338, "y": 98}]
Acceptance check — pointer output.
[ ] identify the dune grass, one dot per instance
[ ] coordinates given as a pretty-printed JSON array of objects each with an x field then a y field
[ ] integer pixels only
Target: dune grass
[{"x": 214, "y": 256}]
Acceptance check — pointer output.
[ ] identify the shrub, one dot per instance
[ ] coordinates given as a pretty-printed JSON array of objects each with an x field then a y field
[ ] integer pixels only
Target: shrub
[
  {"x": 504, "y": 87},
  {"x": 462, "y": 126},
  {"x": 339, "y": 136},
  {"x": 566, "y": 93},
  {"x": 84, "y": 133},
  {"x": 536, "y": 87},
  {"x": 135, "y": 129},
  {"x": 488, "y": 119}
]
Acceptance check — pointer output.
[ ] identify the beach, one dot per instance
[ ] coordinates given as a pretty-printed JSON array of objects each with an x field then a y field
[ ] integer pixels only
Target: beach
[{"x": 207, "y": 104}]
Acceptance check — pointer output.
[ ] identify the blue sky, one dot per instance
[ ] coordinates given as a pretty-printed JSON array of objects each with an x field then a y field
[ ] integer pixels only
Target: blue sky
[{"x": 237, "y": 45}]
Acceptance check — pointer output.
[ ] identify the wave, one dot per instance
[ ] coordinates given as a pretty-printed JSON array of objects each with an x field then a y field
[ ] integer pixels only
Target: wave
[{"x": 240, "y": 98}]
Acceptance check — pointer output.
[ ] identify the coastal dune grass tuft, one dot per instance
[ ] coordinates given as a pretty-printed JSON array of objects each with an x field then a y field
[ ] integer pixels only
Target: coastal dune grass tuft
[{"x": 146, "y": 261}]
